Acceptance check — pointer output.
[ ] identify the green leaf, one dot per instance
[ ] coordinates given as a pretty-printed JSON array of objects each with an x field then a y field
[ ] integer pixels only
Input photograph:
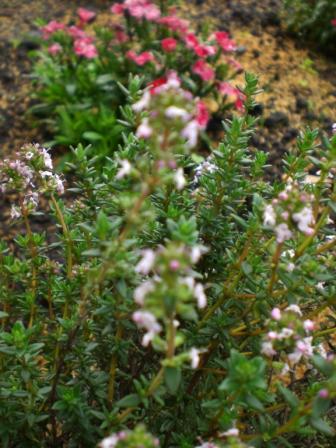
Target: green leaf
[
  {"x": 254, "y": 403},
  {"x": 289, "y": 397},
  {"x": 92, "y": 136},
  {"x": 130, "y": 401},
  {"x": 172, "y": 377},
  {"x": 246, "y": 268},
  {"x": 322, "y": 426}
]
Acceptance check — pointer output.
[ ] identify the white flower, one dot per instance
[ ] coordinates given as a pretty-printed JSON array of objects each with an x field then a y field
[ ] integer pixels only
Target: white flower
[
  {"x": 144, "y": 130},
  {"x": 269, "y": 216},
  {"x": 308, "y": 325},
  {"x": 200, "y": 296},
  {"x": 290, "y": 267},
  {"x": 125, "y": 169},
  {"x": 59, "y": 184},
  {"x": 276, "y": 313},
  {"x": 143, "y": 103},
  {"x": 303, "y": 348},
  {"x": 267, "y": 348},
  {"x": 142, "y": 290},
  {"x": 179, "y": 179},
  {"x": 322, "y": 351},
  {"x": 282, "y": 233},
  {"x": 109, "y": 442},
  {"x": 29, "y": 155},
  {"x": 285, "y": 333},
  {"x": 285, "y": 369},
  {"x": 15, "y": 212},
  {"x": 295, "y": 309},
  {"x": 177, "y": 112},
  {"x": 195, "y": 357},
  {"x": 233, "y": 432},
  {"x": 46, "y": 174},
  {"x": 47, "y": 159},
  {"x": 304, "y": 220},
  {"x": 190, "y": 132},
  {"x": 146, "y": 264},
  {"x": 320, "y": 286},
  {"x": 147, "y": 320},
  {"x": 196, "y": 253}
]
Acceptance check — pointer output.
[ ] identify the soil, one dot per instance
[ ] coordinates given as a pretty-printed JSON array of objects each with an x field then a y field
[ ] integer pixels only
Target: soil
[{"x": 299, "y": 84}]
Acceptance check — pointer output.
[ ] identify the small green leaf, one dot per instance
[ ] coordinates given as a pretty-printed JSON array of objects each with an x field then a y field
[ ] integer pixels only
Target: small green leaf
[
  {"x": 322, "y": 426},
  {"x": 92, "y": 136},
  {"x": 172, "y": 377},
  {"x": 129, "y": 401},
  {"x": 290, "y": 398}
]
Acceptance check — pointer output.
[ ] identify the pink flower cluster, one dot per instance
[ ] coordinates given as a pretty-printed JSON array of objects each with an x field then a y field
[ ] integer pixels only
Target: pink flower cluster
[
  {"x": 291, "y": 334},
  {"x": 139, "y": 9},
  {"x": 30, "y": 174},
  {"x": 225, "y": 88},
  {"x": 193, "y": 119},
  {"x": 140, "y": 59},
  {"x": 83, "y": 44},
  {"x": 291, "y": 209},
  {"x": 175, "y": 262},
  {"x": 204, "y": 51}
]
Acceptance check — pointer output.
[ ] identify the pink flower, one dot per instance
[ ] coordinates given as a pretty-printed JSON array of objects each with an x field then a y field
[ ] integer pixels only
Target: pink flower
[
  {"x": 144, "y": 130},
  {"x": 276, "y": 313},
  {"x": 203, "y": 70},
  {"x": 51, "y": 28},
  {"x": 142, "y": 9},
  {"x": 84, "y": 47},
  {"x": 169, "y": 44},
  {"x": 202, "y": 116},
  {"x": 224, "y": 41},
  {"x": 191, "y": 40},
  {"x": 333, "y": 22},
  {"x": 238, "y": 97},
  {"x": 85, "y": 15},
  {"x": 54, "y": 49},
  {"x": 117, "y": 8},
  {"x": 142, "y": 58},
  {"x": 174, "y": 23},
  {"x": 147, "y": 320},
  {"x": 121, "y": 36},
  {"x": 77, "y": 33},
  {"x": 204, "y": 51}
]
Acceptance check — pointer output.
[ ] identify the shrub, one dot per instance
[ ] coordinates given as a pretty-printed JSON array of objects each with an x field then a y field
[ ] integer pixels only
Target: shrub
[
  {"x": 313, "y": 19},
  {"x": 178, "y": 294},
  {"x": 81, "y": 72}
]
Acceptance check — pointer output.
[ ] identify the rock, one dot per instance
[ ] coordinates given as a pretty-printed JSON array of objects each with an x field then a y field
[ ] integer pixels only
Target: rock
[
  {"x": 276, "y": 119},
  {"x": 241, "y": 50},
  {"x": 257, "y": 110},
  {"x": 301, "y": 104}
]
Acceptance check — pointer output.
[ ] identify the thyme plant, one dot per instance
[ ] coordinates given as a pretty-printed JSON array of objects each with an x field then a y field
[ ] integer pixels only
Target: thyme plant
[{"x": 181, "y": 294}]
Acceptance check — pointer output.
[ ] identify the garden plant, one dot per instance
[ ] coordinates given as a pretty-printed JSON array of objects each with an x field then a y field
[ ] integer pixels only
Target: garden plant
[
  {"x": 184, "y": 297},
  {"x": 314, "y": 20},
  {"x": 81, "y": 70}
]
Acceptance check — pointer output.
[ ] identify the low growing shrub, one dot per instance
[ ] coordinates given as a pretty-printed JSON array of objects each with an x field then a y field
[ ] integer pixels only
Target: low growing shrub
[
  {"x": 314, "y": 20},
  {"x": 189, "y": 296},
  {"x": 81, "y": 72}
]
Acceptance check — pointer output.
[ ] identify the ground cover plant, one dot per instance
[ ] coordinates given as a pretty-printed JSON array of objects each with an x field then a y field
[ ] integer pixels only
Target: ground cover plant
[
  {"x": 178, "y": 294},
  {"x": 314, "y": 20},
  {"x": 82, "y": 69}
]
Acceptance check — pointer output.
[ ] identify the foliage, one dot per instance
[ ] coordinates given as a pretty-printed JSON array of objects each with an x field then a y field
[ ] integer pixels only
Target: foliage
[
  {"x": 174, "y": 293},
  {"x": 313, "y": 19},
  {"x": 81, "y": 72}
]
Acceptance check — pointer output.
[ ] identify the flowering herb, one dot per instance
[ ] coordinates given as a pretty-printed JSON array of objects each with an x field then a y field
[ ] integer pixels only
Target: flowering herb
[{"x": 176, "y": 293}]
